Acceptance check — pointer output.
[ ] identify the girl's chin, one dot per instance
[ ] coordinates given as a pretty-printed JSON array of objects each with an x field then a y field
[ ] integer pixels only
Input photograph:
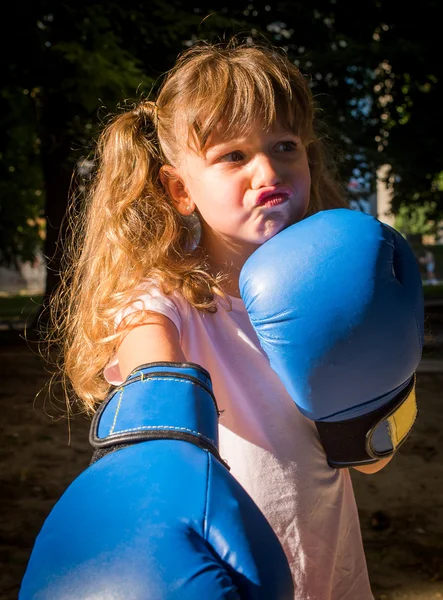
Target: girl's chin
[
  {"x": 251, "y": 238},
  {"x": 269, "y": 230}
]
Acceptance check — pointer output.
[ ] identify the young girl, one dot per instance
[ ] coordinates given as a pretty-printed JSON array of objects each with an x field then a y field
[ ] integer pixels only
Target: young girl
[{"x": 187, "y": 187}]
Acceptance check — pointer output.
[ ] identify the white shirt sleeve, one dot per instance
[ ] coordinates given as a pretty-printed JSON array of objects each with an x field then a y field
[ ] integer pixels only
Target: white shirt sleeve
[{"x": 152, "y": 300}]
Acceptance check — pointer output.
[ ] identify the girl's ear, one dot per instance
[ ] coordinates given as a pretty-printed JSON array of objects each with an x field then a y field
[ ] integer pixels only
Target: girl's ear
[{"x": 176, "y": 189}]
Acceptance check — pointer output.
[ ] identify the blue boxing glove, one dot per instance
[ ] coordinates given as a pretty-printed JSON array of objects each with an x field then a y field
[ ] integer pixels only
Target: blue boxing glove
[
  {"x": 337, "y": 303},
  {"x": 158, "y": 514}
]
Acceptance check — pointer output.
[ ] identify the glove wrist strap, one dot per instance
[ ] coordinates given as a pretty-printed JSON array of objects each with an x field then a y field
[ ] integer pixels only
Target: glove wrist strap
[
  {"x": 371, "y": 437},
  {"x": 158, "y": 401}
]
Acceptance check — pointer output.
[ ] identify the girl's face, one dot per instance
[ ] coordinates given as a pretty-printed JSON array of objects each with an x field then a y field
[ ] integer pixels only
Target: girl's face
[{"x": 246, "y": 189}]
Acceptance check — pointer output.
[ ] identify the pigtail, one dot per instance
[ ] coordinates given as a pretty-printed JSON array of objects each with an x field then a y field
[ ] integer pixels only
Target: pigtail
[
  {"x": 129, "y": 231},
  {"x": 125, "y": 208},
  {"x": 128, "y": 185}
]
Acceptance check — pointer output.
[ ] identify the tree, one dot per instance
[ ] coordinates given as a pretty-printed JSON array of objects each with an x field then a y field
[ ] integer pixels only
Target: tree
[
  {"x": 415, "y": 220},
  {"x": 376, "y": 79},
  {"x": 410, "y": 96},
  {"x": 70, "y": 66}
]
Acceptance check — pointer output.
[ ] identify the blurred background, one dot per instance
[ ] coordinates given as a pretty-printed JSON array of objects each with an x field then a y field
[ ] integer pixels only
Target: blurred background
[{"x": 376, "y": 72}]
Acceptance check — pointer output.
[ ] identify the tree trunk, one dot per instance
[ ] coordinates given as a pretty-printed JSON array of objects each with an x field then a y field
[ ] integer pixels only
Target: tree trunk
[
  {"x": 58, "y": 178},
  {"x": 58, "y": 187}
]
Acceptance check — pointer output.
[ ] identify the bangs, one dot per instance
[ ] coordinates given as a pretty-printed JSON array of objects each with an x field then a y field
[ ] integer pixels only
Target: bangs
[{"x": 233, "y": 93}]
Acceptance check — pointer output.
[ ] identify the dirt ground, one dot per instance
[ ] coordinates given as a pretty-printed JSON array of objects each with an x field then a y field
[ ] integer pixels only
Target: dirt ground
[{"x": 401, "y": 508}]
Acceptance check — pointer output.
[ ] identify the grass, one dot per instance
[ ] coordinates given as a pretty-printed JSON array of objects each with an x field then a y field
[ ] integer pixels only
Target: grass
[
  {"x": 19, "y": 307},
  {"x": 433, "y": 292}
]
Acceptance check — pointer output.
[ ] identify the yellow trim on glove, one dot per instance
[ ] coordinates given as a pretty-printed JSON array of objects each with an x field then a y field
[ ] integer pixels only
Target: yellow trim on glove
[{"x": 401, "y": 421}]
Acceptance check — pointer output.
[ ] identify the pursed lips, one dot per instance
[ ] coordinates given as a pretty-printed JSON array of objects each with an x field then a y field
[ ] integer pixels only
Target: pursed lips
[{"x": 273, "y": 197}]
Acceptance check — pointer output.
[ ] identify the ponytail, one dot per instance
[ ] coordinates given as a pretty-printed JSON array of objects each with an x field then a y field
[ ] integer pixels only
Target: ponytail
[{"x": 129, "y": 231}]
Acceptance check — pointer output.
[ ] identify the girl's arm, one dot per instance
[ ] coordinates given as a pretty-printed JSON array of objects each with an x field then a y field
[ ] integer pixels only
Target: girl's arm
[
  {"x": 378, "y": 466},
  {"x": 156, "y": 339}
]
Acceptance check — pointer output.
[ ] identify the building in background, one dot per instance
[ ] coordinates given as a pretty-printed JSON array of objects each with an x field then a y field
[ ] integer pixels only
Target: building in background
[
  {"x": 383, "y": 198},
  {"x": 377, "y": 204},
  {"x": 28, "y": 278}
]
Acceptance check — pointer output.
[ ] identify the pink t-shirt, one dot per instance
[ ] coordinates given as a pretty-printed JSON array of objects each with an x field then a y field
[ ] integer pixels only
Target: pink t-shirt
[{"x": 272, "y": 450}]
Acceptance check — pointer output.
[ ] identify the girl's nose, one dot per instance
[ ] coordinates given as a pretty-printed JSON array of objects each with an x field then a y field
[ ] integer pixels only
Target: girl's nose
[{"x": 264, "y": 172}]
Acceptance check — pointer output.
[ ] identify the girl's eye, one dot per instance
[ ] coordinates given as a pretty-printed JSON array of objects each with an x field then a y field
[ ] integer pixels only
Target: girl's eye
[
  {"x": 234, "y": 156},
  {"x": 286, "y": 146}
]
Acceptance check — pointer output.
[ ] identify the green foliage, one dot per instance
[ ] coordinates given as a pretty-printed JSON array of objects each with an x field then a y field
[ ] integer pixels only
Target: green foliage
[
  {"x": 21, "y": 181},
  {"x": 377, "y": 83},
  {"x": 70, "y": 66},
  {"x": 410, "y": 95},
  {"x": 415, "y": 219},
  {"x": 68, "y": 60}
]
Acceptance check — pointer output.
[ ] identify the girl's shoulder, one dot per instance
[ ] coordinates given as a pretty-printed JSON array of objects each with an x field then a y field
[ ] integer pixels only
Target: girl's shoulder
[{"x": 149, "y": 295}]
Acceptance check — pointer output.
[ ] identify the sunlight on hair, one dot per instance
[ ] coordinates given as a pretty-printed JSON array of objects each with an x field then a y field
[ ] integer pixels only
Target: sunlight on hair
[{"x": 129, "y": 230}]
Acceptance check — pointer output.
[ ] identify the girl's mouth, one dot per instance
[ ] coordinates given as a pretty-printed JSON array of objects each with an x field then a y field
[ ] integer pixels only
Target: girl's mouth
[
  {"x": 273, "y": 196},
  {"x": 272, "y": 200}
]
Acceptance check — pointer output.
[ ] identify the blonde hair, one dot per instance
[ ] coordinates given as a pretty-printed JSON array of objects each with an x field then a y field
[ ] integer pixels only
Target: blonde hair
[{"x": 130, "y": 229}]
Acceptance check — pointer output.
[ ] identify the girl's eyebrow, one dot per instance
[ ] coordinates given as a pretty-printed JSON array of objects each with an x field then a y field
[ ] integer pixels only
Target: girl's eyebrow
[{"x": 223, "y": 145}]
